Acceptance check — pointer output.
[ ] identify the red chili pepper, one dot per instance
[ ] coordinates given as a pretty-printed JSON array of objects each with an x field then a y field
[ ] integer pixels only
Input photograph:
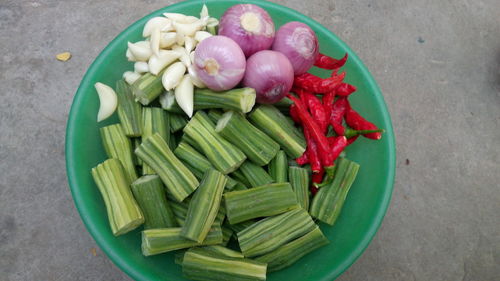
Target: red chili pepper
[
  {"x": 318, "y": 177},
  {"x": 337, "y": 145},
  {"x": 303, "y": 159},
  {"x": 326, "y": 62},
  {"x": 328, "y": 99},
  {"x": 313, "y": 190},
  {"x": 318, "y": 85},
  {"x": 344, "y": 89},
  {"x": 351, "y": 133},
  {"x": 294, "y": 114},
  {"x": 312, "y": 153},
  {"x": 338, "y": 111},
  {"x": 357, "y": 122},
  {"x": 316, "y": 109},
  {"x": 315, "y": 131},
  {"x": 351, "y": 140}
]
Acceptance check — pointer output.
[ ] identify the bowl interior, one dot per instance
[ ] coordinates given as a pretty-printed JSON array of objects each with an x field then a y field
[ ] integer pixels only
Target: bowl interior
[{"x": 364, "y": 208}]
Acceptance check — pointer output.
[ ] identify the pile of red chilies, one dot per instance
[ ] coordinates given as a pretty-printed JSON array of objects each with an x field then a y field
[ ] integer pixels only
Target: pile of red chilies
[{"x": 317, "y": 115}]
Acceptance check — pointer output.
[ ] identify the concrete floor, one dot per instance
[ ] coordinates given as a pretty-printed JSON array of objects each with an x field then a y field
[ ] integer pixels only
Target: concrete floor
[{"x": 437, "y": 62}]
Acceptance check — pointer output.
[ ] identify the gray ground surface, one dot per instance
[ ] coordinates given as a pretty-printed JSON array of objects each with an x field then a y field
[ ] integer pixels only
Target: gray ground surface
[{"x": 437, "y": 62}]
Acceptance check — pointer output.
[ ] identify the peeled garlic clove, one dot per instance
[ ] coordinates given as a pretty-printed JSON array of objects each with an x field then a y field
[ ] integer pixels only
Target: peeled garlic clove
[
  {"x": 189, "y": 44},
  {"x": 130, "y": 77},
  {"x": 179, "y": 38},
  {"x": 184, "y": 95},
  {"x": 189, "y": 29},
  {"x": 139, "y": 51},
  {"x": 204, "y": 11},
  {"x": 107, "y": 101},
  {"x": 164, "y": 58},
  {"x": 180, "y": 17},
  {"x": 155, "y": 41},
  {"x": 194, "y": 78},
  {"x": 141, "y": 67},
  {"x": 201, "y": 35},
  {"x": 168, "y": 39},
  {"x": 167, "y": 99},
  {"x": 191, "y": 56},
  {"x": 173, "y": 75},
  {"x": 129, "y": 56},
  {"x": 156, "y": 22},
  {"x": 183, "y": 55}
]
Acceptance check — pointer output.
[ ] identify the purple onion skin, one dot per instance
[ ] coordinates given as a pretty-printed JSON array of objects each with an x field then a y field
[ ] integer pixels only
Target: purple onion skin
[
  {"x": 270, "y": 73},
  {"x": 229, "y": 66},
  {"x": 299, "y": 44},
  {"x": 254, "y": 34}
]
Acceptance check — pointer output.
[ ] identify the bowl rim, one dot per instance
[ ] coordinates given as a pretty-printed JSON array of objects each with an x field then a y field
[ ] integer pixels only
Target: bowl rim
[{"x": 84, "y": 84}]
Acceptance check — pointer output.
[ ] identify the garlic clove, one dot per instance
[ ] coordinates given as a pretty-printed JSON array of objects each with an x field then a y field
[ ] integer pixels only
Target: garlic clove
[
  {"x": 130, "y": 77},
  {"x": 204, "y": 11},
  {"x": 191, "y": 56},
  {"x": 201, "y": 35},
  {"x": 179, "y": 38},
  {"x": 194, "y": 78},
  {"x": 156, "y": 22},
  {"x": 189, "y": 29},
  {"x": 140, "y": 51},
  {"x": 184, "y": 95},
  {"x": 158, "y": 63},
  {"x": 173, "y": 75},
  {"x": 183, "y": 55},
  {"x": 180, "y": 17},
  {"x": 155, "y": 41},
  {"x": 168, "y": 39},
  {"x": 141, "y": 67},
  {"x": 189, "y": 44},
  {"x": 129, "y": 56},
  {"x": 107, "y": 101}
]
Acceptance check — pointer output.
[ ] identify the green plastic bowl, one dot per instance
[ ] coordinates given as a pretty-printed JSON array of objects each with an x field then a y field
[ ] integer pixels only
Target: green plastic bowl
[{"x": 364, "y": 208}]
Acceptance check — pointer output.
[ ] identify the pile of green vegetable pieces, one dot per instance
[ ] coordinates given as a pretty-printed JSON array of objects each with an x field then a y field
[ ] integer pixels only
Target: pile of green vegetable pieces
[{"x": 196, "y": 184}]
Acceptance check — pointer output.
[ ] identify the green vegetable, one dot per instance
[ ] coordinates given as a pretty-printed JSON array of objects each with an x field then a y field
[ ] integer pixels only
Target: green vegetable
[
  {"x": 155, "y": 120},
  {"x": 227, "y": 232},
  {"x": 177, "y": 122},
  {"x": 328, "y": 202},
  {"x": 256, "y": 145},
  {"x": 150, "y": 194},
  {"x": 223, "y": 251},
  {"x": 180, "y": 182},
  {"x": 241, "y": 100},
  {"x": 239, "y": 186},
  {"x": 162, "y": 240},
  {"x": 123, "y": 212},
  {"x": 180, "y": 210},
  {"x": 224, "y": 156},
  {"x": 291, "y": 252},
  {"x": 197, "y": 163},
  {"x": 240, "y": 177},
  {"x": 200, "y": 264},
  {"x": 299, "y": 179},
  {"x": 129, "y": 111},
  {"x": 272, "y": 122},
  {"x": 118, "y": 146},
  {"x": 270, "y": 233},
  {"x": 240, "y": 226},
  {"x": 255, "y": 175},
  {"x": 284, "y": 105},
  {"x": 172, "y": 143},
  {"x": 278, "y": 167},
  {"x": 136, "y": 142},
  {"x": 204, "y": 206},
  {"x": 262, "y": 201},
  {"x": 147, "y": 88},
  {"x": 214, "y": 115}
]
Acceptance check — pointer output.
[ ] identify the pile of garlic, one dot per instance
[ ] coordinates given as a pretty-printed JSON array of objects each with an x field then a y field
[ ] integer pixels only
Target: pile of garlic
[{"x": 169, "y": 43}]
